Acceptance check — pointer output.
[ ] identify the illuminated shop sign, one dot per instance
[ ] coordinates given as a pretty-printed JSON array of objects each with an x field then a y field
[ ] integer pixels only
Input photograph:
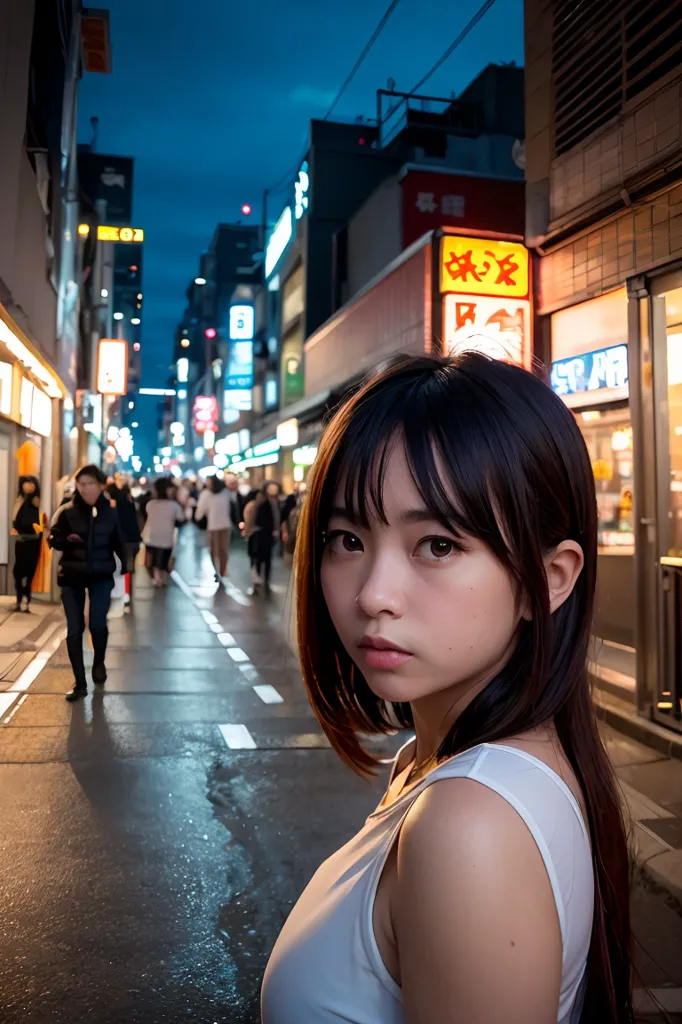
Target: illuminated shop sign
[
  {"x": 112, "y": 366},
  {"x": 279, "y": 240},
  {"x": 481, "y": 266},
  {"x": 239, "y": 377},
  {"x": 600, "y": 376},
  {"x": 287, "y": 433},
  {"x": 242, "y": 321},
  {"x": 35, "y": 409},
  {"x": 228, "y": 445},
  {"x": 109, "y": 233},
  {"x": 499, "y": 328},
  {"x": 6, "y": 389},
  {"x": 301, "y": 190},
  {"x": 306, "y": 455},
  {"x": 205, "y": 413}
]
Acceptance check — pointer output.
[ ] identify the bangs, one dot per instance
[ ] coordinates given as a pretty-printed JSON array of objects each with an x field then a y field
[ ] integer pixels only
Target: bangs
[{"x": 448, "y": 434}]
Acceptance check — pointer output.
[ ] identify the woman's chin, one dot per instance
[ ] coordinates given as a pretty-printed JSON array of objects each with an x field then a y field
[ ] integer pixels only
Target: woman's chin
[{"x": 390, "y": 686}]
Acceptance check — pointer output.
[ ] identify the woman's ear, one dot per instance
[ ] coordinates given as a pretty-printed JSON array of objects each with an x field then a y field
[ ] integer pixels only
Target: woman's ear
[{"x": 563, "y": 566}]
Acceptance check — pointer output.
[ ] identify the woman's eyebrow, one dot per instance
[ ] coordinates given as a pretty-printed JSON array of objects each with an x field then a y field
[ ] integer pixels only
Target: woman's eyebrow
[
  {"x": 340, "y": 512},
  {"x": 418, "y": 515}
]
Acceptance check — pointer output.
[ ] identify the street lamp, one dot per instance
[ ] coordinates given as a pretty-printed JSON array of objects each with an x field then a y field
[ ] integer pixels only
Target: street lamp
[{"x": 200, "y": 280}]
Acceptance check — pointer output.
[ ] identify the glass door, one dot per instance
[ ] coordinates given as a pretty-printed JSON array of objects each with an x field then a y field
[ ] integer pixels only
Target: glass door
[{"x": 667, "y": 388}]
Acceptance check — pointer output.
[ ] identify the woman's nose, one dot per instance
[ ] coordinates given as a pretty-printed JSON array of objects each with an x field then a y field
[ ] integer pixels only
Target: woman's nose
[{"x": 382, "y": 592}]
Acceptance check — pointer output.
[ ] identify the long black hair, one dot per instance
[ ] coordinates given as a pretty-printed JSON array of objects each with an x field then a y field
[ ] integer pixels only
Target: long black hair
[{"x": 495, "y": 455}]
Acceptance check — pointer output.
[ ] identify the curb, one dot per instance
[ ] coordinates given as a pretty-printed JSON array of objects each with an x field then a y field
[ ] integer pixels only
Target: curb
[{"x": 625, "y": 719}]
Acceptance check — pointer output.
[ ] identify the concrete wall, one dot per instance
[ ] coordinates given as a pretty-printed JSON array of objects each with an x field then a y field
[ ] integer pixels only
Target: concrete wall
[
  {"x": 375, "y": 235},
  {"x": 391, "y": 317}
]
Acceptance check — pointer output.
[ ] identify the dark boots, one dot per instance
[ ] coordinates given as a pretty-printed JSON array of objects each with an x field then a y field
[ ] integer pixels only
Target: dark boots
[{"x": 74, "y": 645}]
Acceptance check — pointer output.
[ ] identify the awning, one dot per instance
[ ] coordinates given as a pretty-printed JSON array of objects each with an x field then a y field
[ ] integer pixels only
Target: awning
[{"x": 26, "y": 353}]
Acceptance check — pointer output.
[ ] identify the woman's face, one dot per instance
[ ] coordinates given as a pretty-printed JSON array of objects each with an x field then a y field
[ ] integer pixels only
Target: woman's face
[
  {"x": 272, "y": 491},
  {"x": 28, "y": 488},
  {"x": 417, "y": 611}
]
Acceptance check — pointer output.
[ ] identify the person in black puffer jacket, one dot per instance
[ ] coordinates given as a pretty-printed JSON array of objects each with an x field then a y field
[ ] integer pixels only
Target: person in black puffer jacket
[{"x": 86, "y": 531}]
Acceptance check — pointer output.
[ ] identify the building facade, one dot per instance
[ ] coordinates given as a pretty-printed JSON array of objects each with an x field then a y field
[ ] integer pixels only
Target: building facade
[
  {"x": 604, "y": 214},
  {"x": 40, "y": 67}
]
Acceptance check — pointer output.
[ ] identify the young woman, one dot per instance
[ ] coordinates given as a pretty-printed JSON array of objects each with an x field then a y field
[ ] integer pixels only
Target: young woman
[
  {"x": 446, "y": 565},
  {"x": 25, "y": 525},
  {"x": 86, "y": 531},
  {"x": 215, "y": 503},
  {"x": 163, "y": 516}
]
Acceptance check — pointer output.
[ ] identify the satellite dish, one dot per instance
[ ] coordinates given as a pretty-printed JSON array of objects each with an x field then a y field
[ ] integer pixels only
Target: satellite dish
[{"x": 519, "y": 154}]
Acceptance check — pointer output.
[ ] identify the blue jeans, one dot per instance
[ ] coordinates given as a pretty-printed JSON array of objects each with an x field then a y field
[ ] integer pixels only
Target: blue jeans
[{"x": 73, "y": 599}]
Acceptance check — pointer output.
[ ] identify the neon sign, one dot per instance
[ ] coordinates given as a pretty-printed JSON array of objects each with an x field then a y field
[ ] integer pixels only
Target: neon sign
[
  {"x": 605, "y": 370},
  {"x": 482, "y": 266},
  {"x": 301, "y": 187},
  {"x": 278, "y": 241}
]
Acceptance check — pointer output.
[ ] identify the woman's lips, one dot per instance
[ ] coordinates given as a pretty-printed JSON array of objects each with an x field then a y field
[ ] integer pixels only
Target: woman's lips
[
  {"x": 388, "y": 659},
  {"x": 380, "y": 654}
]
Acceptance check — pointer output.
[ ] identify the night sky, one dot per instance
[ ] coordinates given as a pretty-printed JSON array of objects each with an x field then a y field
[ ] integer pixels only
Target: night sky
[{"x": 213, "y": 102}]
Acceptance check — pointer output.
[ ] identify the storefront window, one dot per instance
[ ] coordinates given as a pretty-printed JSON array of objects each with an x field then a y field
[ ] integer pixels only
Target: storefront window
[
  {"x": 608, "y": 435},
  {"x": 673, "y": 310}
]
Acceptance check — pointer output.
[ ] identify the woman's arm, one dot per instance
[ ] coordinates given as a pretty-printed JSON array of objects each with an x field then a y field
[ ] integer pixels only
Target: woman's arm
[
  {"x": 202, "y": 504},
  {"x": 475, "y": 921}
]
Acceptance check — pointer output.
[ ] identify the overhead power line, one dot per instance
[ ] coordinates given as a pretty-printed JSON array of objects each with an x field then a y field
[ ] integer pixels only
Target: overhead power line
[
  {"x": 368, "y": 46},
  {"x": 483, "y": 9},
  {"x": 470, "y": 25}
]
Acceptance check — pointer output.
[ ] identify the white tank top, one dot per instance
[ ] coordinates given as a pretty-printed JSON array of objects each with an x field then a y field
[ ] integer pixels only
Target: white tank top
[{"x": 326, "y": 965}]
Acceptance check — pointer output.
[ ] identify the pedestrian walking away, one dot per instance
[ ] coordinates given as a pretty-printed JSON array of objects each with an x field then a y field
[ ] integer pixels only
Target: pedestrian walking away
[
  {"x": 27, "y": 529},
  {"x": 445, "y": 574},
  {"x": 164, "y": 515},
  {"x": 262, "y": 524},
  {"x": 129, "y": 526},
  {"x": 86, "y": 531},
  {"x": 215, "y": 503}
]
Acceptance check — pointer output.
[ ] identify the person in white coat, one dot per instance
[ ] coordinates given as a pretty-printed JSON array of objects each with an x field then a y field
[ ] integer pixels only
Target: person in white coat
[{"x": 216, "y": 505}]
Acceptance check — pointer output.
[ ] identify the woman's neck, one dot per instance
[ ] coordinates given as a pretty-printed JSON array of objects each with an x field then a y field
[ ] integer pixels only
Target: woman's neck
[{"x": 435, "y": 714}]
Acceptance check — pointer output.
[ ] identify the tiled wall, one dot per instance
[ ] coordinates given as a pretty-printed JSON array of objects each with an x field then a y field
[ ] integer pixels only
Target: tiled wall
[
  {"x": 610, "y": 160},
  {"x": 639, "y": 240}
]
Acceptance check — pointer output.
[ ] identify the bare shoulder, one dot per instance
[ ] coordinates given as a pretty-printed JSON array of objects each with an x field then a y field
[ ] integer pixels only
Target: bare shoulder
[{"x": 475, "y": 920}]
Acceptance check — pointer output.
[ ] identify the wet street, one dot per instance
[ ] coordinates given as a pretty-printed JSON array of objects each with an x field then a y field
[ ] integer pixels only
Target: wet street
[{"x": 154, "y": 837}]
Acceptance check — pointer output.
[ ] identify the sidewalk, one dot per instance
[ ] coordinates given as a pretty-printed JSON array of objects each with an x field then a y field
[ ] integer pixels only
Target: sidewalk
[{"x": 23, "y": 636}]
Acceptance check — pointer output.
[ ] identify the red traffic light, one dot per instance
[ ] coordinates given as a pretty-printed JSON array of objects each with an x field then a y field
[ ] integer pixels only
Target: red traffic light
[
  {"x": 247, "y": 209},
  {"x": 211, "y": 332}
]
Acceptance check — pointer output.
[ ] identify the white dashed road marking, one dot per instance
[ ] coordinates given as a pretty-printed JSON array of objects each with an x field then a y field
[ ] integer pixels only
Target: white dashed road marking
[
  {"x": 237, "y": 654},
  {"x": 268, "y": 694},
  {"x": 237, "y": 737}
]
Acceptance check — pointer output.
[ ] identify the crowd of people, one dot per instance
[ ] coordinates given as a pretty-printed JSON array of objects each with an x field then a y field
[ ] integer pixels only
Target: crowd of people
[{"x": 104, "y": 523}]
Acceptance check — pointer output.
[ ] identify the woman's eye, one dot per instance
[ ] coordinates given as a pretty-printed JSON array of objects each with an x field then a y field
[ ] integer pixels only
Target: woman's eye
[
  {"x": 343, "y": 543},
  {"x": 435, "y": 549}
]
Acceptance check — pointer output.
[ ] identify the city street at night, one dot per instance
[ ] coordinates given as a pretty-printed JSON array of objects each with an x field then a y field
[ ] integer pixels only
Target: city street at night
[
  {"x": 156, "y": 835},
  {"x": 341, "y": 423}
]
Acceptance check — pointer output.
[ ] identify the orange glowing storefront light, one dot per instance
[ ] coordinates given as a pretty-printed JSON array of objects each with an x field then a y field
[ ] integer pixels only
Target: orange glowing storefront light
[{"x": 485, "y": 285}]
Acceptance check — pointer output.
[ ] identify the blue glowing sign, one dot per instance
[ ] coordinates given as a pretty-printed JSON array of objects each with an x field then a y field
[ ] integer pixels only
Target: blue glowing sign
[
  {"x": 592, "y": 372},
  {"x": 301, "y": 188},
  {"x": 242, "y": 322}
]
